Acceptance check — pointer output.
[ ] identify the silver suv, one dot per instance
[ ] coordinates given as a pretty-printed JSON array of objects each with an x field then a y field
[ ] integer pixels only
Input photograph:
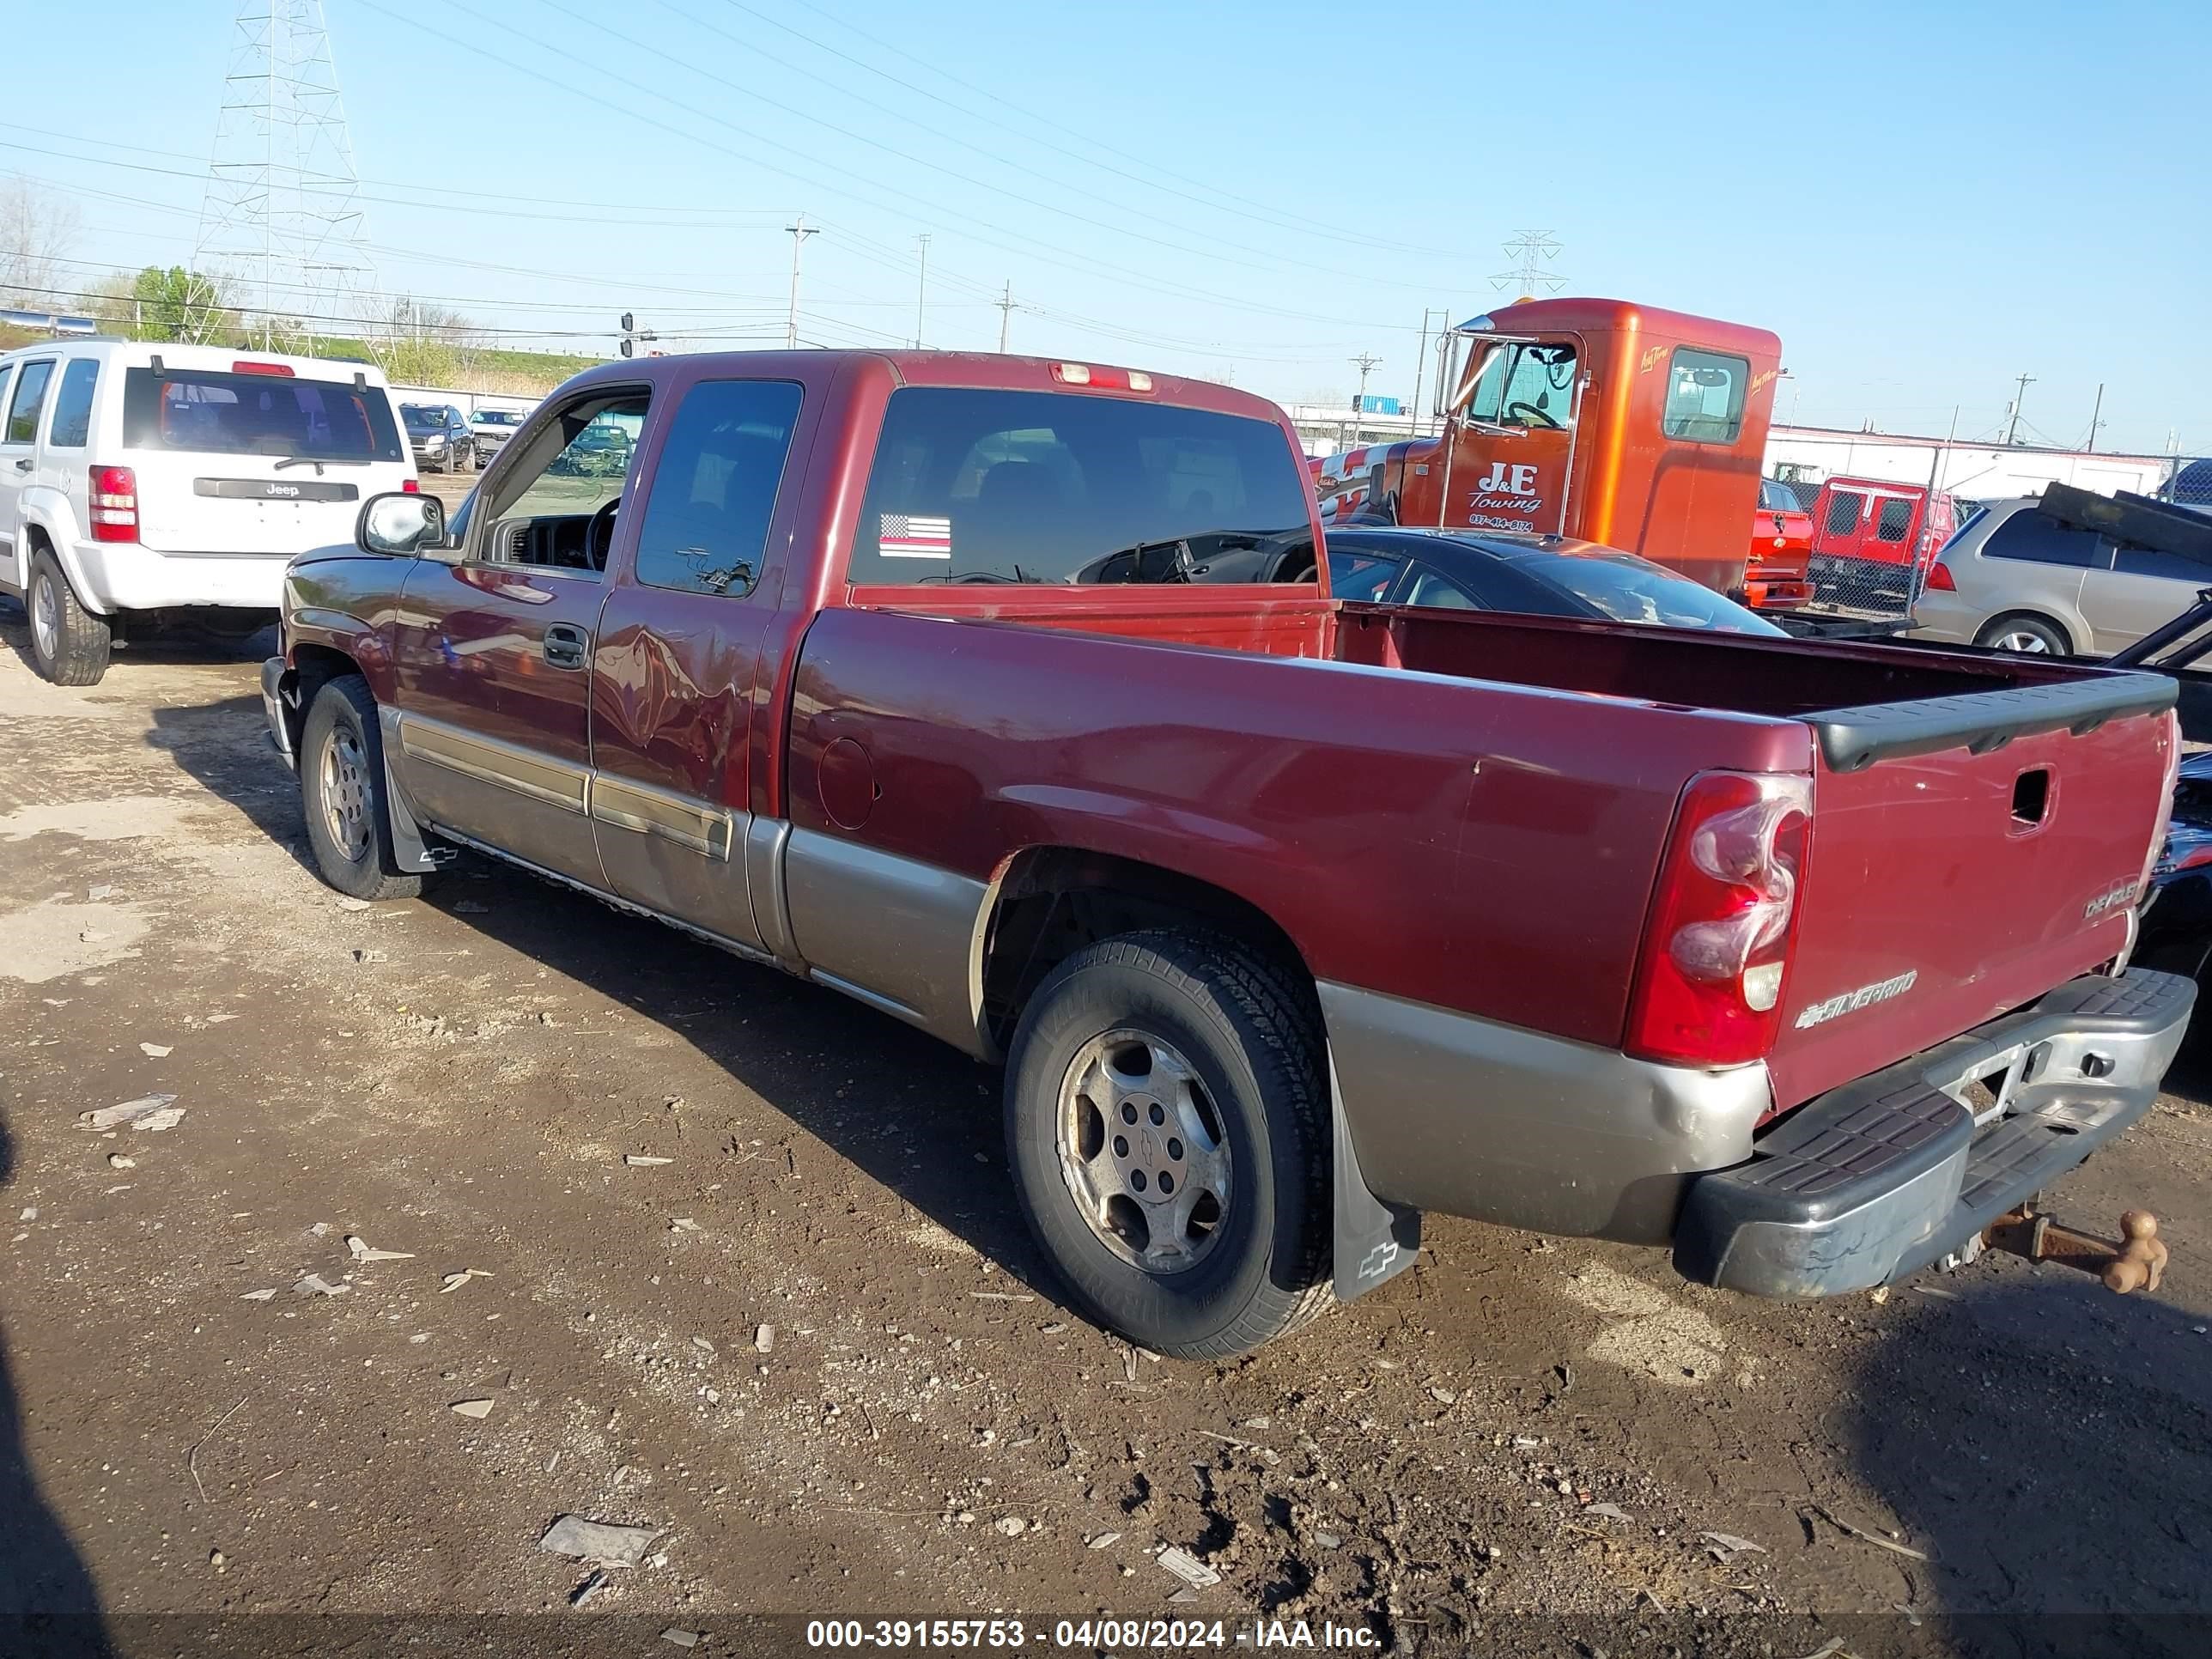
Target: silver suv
[{"x": 2019, "y": 582}]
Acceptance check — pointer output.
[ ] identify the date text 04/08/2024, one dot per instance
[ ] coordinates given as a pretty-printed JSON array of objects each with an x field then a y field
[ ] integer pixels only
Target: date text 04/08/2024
[{"x": 896, "y": 1635}]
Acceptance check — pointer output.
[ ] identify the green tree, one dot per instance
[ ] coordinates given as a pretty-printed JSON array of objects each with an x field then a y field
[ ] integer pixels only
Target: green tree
[{"x": 177, "y": 304}]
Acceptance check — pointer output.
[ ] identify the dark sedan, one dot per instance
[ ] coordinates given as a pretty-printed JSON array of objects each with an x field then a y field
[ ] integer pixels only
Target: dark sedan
[{"x": 1540, "y": 576}]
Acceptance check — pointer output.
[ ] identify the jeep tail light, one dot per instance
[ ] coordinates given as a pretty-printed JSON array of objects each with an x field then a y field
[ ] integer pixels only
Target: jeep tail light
[
  {"x": 1716, "y": 950},
  {"x": 1941, "y": 579},
  {"x": 112, "y": 504},
  {"x": 409, "y": 486}
]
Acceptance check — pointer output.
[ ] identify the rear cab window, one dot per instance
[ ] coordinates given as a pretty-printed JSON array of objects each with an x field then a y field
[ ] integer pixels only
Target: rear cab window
[
  {"x": 714, "y": 487},
  {"x": 1705, "y": 392},
  {"x": 978, "y": 486},
  {"x": 211, "y": 412}
]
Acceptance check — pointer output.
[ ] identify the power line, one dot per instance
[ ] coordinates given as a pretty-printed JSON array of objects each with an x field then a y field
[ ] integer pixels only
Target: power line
[
  {"x": 1043, "y": 204},
  {"x": 1215, "y": 202},
  {"x": 1051, "y": 255}
]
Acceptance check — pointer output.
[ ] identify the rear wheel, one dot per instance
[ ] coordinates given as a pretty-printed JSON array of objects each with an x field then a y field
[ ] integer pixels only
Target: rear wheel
[
  {"x": 1167, "y": 1121},
  {"x": 2030, "y": 635},
  {"x": 69, "y": 645},
  {"x": 342, "y": 792}
]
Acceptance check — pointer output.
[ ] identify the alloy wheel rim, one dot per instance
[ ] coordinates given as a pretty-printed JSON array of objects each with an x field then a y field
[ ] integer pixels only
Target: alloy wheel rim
[
  {"x": 2027, "y": 644},
  {"x": 1144, "y": 1151},
  {"x": 47, "y": 618},
  {"x": 345, "y": 793}
]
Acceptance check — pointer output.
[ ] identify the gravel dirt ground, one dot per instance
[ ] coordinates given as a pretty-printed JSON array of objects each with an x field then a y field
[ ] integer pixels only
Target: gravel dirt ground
[{"x": 743, "y": 1268}]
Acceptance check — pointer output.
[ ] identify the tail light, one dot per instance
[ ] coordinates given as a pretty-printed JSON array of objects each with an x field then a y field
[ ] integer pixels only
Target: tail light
[
  {"x": 1716, "y": 946},
  {"x": 1109, "y": 380},
  {"x": 409, "y": 486},
  {"x": 2162, "y": 825},
  {"x": 112, "y": 496},
  {"x": 1941, "y": 579},
  {"x": 282, "y": 371}
]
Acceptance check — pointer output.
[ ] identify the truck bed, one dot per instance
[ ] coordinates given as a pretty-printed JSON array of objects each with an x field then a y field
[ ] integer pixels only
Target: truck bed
[{"x": 1467, "y": 810}]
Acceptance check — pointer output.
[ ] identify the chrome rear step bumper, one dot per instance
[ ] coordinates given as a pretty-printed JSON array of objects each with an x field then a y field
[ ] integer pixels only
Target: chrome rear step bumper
[{"x": 1885, "y": 1176}]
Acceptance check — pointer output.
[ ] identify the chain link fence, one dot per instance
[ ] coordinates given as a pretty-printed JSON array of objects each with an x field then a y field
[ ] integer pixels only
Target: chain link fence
[{"x": 1872, "y": 541}]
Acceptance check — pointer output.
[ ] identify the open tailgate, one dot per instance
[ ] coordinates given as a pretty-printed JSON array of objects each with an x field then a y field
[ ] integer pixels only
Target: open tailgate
[{"x": 1969, "y": 853}]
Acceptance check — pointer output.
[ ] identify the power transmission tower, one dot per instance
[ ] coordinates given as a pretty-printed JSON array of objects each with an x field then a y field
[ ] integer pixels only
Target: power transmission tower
[
  {"x": 799, "y": 232},
  {"x": 1005, "y": 304},
  {"x": 921, "y": 288},
  {"x": 2012, "y": 433},
  {"x": 282, "y": 211},
  {"x": 1530, "y": 250}
]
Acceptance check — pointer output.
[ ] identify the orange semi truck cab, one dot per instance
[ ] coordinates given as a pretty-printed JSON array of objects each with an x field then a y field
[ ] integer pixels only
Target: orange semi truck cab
[{"x": 1619, "y": 423}]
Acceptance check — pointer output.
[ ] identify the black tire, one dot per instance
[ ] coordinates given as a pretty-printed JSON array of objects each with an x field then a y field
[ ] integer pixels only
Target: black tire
[
  {"x": 69, "y": 645},
  {"x": 2020, "y": 625},
  {"x": 1253, "y": 1041},
  {"x": 342, "y": 756}
]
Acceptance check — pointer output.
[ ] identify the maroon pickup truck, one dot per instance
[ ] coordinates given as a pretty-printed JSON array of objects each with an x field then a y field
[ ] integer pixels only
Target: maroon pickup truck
[{"x": 1008, "y": 697}]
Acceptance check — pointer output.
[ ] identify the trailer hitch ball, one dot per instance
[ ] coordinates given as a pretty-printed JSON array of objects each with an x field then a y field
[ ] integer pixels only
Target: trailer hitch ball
[{"x": 2135, "y": 1262}]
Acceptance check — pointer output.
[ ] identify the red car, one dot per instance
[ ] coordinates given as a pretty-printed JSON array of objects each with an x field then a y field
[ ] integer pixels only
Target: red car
[
  {"x": 1781, "y": 548},
  {"x": 1008, "y": 698}
]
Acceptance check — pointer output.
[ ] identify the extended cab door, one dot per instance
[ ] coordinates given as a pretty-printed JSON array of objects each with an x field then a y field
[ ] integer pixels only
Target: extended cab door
[
  {"x": 675, "y": 672},
  {"x": 494, "y": 645}
]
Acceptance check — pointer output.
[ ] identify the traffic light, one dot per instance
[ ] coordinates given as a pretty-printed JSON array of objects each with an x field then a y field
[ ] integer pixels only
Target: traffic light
[{"x": 630, "y": 334}]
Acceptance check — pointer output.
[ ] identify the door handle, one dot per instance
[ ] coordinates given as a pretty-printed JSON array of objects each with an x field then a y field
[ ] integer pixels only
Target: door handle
[
  {"x": 24, "y": 465},
  {"x": 566, "y": 645}
]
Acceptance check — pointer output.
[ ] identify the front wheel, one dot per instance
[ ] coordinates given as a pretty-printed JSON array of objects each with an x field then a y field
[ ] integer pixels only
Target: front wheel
[
  {"x": 1167, "y": 1121},
  {"x": 342, "y": 792}
]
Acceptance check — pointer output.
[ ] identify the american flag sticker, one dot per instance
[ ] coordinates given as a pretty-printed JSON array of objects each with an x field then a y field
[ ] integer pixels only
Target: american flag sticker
[{"x": 905, "y": 536}]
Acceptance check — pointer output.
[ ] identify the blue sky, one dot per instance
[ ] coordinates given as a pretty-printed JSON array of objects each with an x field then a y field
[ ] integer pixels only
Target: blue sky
[{"x": 1922, "y": 201}]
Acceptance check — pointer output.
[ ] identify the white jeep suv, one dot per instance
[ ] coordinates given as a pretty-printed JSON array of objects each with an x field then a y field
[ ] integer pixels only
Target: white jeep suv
[{"x": 140, "y": 480}]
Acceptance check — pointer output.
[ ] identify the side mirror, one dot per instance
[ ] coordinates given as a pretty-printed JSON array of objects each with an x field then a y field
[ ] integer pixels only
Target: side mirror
[{"x": 400, "y": 524}]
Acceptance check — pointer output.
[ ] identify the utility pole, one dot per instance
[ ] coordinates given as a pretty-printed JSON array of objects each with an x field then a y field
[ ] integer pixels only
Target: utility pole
[
  {"x": 1366, "y": 364},
  {"x": 2095, "y": 420},
  {"x": 2012, "y": 433},
  {"x": 1005, "y": 304},
  {"x": 921, "y": 288},
  {"x": 799, "y": 232}
]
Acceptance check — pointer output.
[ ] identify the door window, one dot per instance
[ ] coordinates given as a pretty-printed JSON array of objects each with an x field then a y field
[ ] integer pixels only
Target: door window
[
  {"x": 2029, "y": 536},
  {"x": 2167, "y": 567},
  {"x": 1843, "y": 516},
  {"x": 556, "y": 510},
  {"x": 1895, "y": 521},
  {"x": 1361, "y": 577},
  {"x": 714, "y": 492},
  {"x": 1531, "y": 385},
  {"x": 7, "y": 373},
  {"x": 72, "y": 422},
  {"x": 30, "y": 398},
  {"x": 1705, "y": 392},
  {"x": 1440, "y": 592}
]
